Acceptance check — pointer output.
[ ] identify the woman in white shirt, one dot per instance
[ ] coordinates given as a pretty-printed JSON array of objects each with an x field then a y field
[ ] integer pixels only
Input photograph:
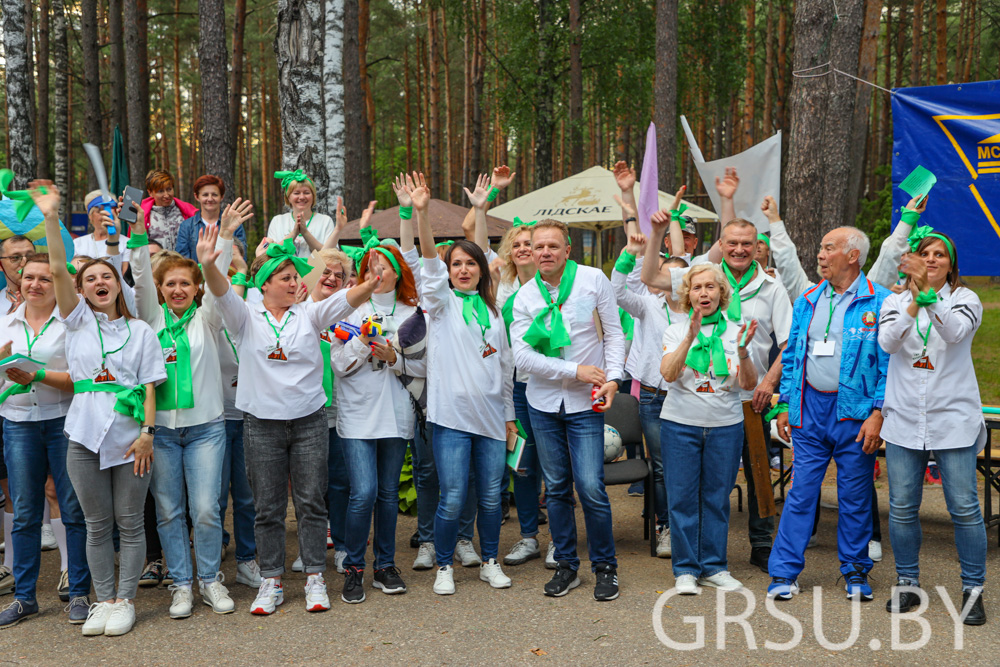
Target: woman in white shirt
[
  {"x": 707, "y": 363},
  {"x": 33, "y": 405},
  {"x": 470, "y": 384},
  {"x": 115, "y": 363},
  {"x": 307, "y": 229},
  {"x": 95, "y": 244},
  {"x": 932, "y": 404},
  {"x": 191, "y": 431},
  {"x": 374, "y": 436},
  {"x": 280, "y": 390}
]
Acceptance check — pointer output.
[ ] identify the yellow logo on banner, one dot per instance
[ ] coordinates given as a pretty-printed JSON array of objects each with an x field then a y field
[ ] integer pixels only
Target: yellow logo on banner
[{"x": 987, "y": 156}]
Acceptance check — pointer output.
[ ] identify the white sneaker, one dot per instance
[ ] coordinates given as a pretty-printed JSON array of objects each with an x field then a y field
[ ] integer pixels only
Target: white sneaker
[
  {"x": 663, "y": 544},
  {"x": 97, "y": 618},
  {"x": 316, "y": 597},
  {"x": 248, "y": 574},
  {"x": 444, "y": 583},
  {"x": 875, "y": 550},
  {"x": 297, "y": 564},
  {"x": 338, "y": 560},
  {"x": 550, "y": 557},
  {"x": 466, "y": 553},
  {"x": 491, "y": 573},
  {"x": 270, "y": 595},
  {"x": 425, "y": 556},
  {"x": 813, "y": 541},
  {"x": 216, "y": 596},
  {"x": 121, "y": 619},
  {"x": 181, "y": 600},
  {"x": 686, "y": 584},
  {"x": 523, "y": 550},
  {"x": 721, "y": 580},
  {"x": 48, "y": 538}
]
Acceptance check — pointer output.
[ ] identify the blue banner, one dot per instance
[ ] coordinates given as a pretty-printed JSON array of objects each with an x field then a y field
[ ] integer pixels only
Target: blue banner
[{"x": 954, "y": 131}]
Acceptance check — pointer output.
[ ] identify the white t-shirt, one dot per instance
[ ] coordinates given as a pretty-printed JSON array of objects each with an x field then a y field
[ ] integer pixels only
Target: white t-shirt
[
  {"x": 699, "y": 399},
  {"x": 320, "y": 226},
  {"x": 88, "y": 246}
]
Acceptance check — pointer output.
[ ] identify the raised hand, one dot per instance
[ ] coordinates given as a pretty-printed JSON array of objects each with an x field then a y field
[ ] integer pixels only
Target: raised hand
[
  {"x": 399, "y": 187},
  {"x": 341, "y": 214},
  {"x": 207, "y": 254},
  {"x": 419, "y": 193},
  {"x": 502, "y": 177},
  {"x": 770, "y": 209},
  {"x": 729, "y": 184},
  {"x": 694, "y": 327},
  {"x": 750, "y": 330},
  {"x": 235, "y": 215},
  {"x": 636, "y": 244},
  {"x": 366, "y": 215},
  {"x": 628, "y": 210},
  {"x": 660, "y": 219},
  {"x": 478, "y": 197},
  {"x": 920, "y": 206},
  {"x": 624, "y": 176},
  {"x": 677, "y": 198},
  {"x": 262, "y": 246},
  {"x": 915, "y": 267},
  {"x": 47, "y": 201}
]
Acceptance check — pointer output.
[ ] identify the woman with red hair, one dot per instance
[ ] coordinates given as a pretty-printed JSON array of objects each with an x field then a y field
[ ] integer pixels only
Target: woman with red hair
[
  {"x": 208, "y": 192},
  {"x": 164, "y": 212},
  {"x": 367, "y": 369}
]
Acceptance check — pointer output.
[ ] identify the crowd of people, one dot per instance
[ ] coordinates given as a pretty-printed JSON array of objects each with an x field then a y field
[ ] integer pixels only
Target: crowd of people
[{"x": 145, "y": 386}]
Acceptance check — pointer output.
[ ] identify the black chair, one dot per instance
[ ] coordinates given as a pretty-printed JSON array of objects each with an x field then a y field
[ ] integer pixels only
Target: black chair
[{"x": 623, "y": 415}]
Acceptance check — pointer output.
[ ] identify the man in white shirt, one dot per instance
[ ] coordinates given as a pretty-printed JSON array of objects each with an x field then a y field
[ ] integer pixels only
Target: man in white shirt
[
  {"x": 568, "y": 338},
  {"x": 14, "y": 253}
]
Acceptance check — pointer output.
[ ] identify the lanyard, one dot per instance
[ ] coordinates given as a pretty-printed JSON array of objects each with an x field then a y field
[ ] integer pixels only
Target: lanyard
[
  {"x": 31, "y": 341},
  {"x": 925, "y": 335},
  {"x": 100, "y": 337},
  {"x": 829, "y": 321},
  {"x": 235, "y": 354},
  {"x": 667, "y": 309},
  {"x": 277, "y": 332},
  {"x": 394, "y": 302}
]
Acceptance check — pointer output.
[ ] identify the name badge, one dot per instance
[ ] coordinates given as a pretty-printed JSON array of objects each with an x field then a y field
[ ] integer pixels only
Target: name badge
[
  {"x": 275, "y": 353},
  {"x": 824, "y": 348},
  {"x": 170, "y": 355}
]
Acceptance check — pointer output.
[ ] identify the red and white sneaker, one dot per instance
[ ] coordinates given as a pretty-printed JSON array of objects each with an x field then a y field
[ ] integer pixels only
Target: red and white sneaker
[
  {"x": 329, "y": 537},
  {"x": 316, "y": 597},
  {"x": 269, "y": 596}
]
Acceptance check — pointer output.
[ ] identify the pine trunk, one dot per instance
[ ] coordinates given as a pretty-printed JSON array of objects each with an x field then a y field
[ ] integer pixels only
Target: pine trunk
[
  {"x": 545, "y": 92},
  {"x": 91, "y": 79},
  {"x": 236, "y": 83},
  {"x": 478, "y": 81},
  {"x": 751, "y": 76},
  {"x": 60, "y": 62},
  {"x": 333, "y": 99},
  {"x": 407, "y": 107},
  {"x": 367, "y": 156},
  {"x": 665, "y": 93},
  {"x": 20, "y": 132},
  {"x": 433, "y": 107},
  {"x": 917, "y": 42},
  {"x": 450, "y": 176},
  {"x": 135, "y": 29},
  {"x": 178, "y": 141},
  {"x": 867, "y": 59},
  {"x": 298, "y": 45},
  {"x": 780, "y": 93},
  {"x": 116, "y": 42},
  {"x": 217, "y": 143},
  {"x": 354, "y": 112},
  {"x": 768, "y": 71},
  {"x": 42, "y": 117},
  {"x": 575, "y": 89},
  {"x": 942, "y": 42}
]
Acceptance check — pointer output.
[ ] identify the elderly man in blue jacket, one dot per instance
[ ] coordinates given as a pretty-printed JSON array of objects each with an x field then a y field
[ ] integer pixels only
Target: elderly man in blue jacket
[{"x": 832, "y": 387}]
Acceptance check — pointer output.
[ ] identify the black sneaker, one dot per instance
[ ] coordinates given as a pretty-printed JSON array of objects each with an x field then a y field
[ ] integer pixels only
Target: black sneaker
[
  {"x": 17, "y": 611},
  {"x": 759, "y": 557},
  {"x": 542, "y": 519},
  {"x": 415, "y": 541},
  {"x": 976, "y": 615},
  {"x": 606, "y": 587},
  {"x": 388, "y": 579},
  {"x": 152, "y": 575},
  {"x": 903, "y": 600},
  {"x": 354, "y": 590},
  {"x": 563, "y": 581}
]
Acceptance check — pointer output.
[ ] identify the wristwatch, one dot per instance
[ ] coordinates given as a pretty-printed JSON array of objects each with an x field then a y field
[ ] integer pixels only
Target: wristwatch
[{"x": 147, "y": 429}]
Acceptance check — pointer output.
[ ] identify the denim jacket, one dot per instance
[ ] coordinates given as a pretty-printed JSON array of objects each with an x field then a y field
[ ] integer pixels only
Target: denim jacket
[
  {"x": 863, "y": 363},
  {"x": 187, "y": 236}
]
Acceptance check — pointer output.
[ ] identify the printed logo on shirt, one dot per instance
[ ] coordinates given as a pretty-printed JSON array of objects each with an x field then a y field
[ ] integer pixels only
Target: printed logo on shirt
[
  {"x": 104, "y": 376},
  {"x": 924, "y": 363},
  {"x": 276, "y": 354},
  {"x": 705, "y": 388},
  {"x": 868, "y": 319}
]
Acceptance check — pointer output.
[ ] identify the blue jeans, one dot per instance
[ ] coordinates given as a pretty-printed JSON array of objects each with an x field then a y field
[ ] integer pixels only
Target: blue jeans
[
  {"x": 961, "y": 493},
  {"x": 34, "y": 450},
  {"x": 650, "y": 406},
  {"x": 189, "y": 462},
  {"x": 822, "y": 437},
  {"x": 571, "y": 451},
  {"x": 338, "y": 492},
  {"x": 234, "y": 480},
  {"x": 701, "y": 470},
  {"x": 526, "y": 480},
  {"x": 429, "y": 490},
  {"x": 455, "y": 453},
  {"x": 373, "y": 467}
]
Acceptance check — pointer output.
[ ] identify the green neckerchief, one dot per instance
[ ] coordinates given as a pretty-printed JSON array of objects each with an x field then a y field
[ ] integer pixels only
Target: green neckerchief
[
  {"x": 278, "y": 253},
  {"x": 473, "y": 307},
  {"x": 508, "y": 314},
  {"x": 708, "y": 350},
  {"x": 324, "y": 346},
  {"x": 129, "y": 401},
  {"x": 177, "y": 391},
  {"x": 550, "y": 340},
  {"x": 735, "y": 310},
  {"x": 628, "y": 323}
]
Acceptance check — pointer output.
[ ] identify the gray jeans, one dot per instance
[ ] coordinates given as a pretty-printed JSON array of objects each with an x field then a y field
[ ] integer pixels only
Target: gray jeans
[
  {"x": 110, "y": 496},
  {"x": 275, "y": 450}
]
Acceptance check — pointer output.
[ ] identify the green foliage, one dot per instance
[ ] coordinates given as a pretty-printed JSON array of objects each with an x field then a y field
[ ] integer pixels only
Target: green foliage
[
  {"x": 407, "y": 486},
  {"x": 875, "y": 217},
  {"x": 388, "y": 164}
]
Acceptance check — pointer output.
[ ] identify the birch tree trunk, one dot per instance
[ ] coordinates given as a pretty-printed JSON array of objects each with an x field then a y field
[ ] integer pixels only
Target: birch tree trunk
[
  {"x": 135, "y": 30},
  {"x": 91, "y": 79},
  {"x": 42, "y": 117},
  {"x": 20, "y": 132},
  {"x": 216, "y": 143},
  {"x": 333, "y": 99},
  {"x": 60, "y": 61}
]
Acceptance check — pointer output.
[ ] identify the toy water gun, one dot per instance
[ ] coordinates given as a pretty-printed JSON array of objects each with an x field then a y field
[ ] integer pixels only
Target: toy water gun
[
  {"x": 345, "y": 331},
  {"x": 373, "y": 328}
]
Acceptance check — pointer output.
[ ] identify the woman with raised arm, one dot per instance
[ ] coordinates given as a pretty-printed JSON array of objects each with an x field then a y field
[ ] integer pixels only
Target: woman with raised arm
[
  {"x": 304, "y": 227},
  {"x": 190, "y": 426},
  {"x": 470, "y": 384},
  {"x": 208, "y": 192},
  {"x": 932, "y": 404},
  {"x": 115, "y": 362},
  {"x": 280, "y": 388}
]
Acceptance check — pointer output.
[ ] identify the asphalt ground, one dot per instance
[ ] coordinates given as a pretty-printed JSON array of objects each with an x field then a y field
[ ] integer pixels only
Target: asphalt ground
[{"x": 479, "y": 625}]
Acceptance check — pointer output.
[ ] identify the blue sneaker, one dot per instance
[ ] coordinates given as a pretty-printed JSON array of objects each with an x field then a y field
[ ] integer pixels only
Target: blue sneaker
[
  {"x": 637, "y": 489},
  {"x": 856, "y": 583},
  {"x": 17, "y": 611},
  {"x": 782, "y": 589}
]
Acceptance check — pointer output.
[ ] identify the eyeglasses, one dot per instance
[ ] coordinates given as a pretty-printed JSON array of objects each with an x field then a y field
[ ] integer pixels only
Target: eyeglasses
[
  {"x": 340, "y": 275},
  {"x": 17, "y": 259}
]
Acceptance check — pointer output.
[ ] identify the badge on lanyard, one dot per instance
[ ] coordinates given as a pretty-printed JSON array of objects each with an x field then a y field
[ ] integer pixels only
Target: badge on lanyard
[
  {"x": 824, "y": 348},
  {"x": 170, "y": 355},
  {"x": 923, "y": 363},
  {"x": 234, "y": 380},
  {"x": 487, "y": 350},
  {"x": 103, "y": 374},
  {"x": 275, "y": 353}
]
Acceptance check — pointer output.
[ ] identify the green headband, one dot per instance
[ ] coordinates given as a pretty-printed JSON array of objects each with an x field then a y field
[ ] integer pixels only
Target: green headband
[
  {"x": 521, "y": 223},
  {"x": 388, "y": 255},
  {"x": 288, "y": 177},
  {"x": 278, "y": 253},
  {"x": 69, "y": 267},
  {"x": 918, "y": 234},
  {"x": 444, "y": 244},
  {"x": 764, "y": 238}
]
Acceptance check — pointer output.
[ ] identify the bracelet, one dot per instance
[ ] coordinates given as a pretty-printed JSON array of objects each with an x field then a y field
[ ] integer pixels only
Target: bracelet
[
  {"x": 112, "y": 242},
  {"x": 744, "y": 357},
  {"x": 405, "y": 212},
  {"x": 494, "y": 193},
  {"x": 630, "y": 219},
  {"x": 239, "y": 279}
]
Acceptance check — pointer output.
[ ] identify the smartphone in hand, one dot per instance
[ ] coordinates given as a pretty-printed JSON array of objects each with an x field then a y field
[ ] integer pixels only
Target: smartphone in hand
[{"x": 130, "y": 204}]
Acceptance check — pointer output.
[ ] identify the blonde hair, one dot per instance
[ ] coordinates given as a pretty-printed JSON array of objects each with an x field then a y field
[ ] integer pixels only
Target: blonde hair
[
  {"x": 156, "y": 258},
  {"x": 335, "y": 256},
  {"x": 509, "y": 272},
  {"x": 725, "y": 291},
  {"x": 295, "y": 184},
  {"x": 549, "y": 223}
]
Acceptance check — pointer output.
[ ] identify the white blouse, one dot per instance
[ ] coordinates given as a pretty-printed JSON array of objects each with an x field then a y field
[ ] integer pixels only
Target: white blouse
[
  {"x": 41, "y": 402},
  {"x": 931, "y": 396},
  {"x": 470, "y": 372},
  {"x": 133, "y": 358},
  {"x": 320, "y": 226}
]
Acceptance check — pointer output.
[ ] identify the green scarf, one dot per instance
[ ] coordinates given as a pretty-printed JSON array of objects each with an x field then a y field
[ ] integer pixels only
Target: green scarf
[
  {"x": 735, "y": 310},
  {"x": 549, "y": 341},
  {"x": 508, "y": 314},
  {"x": 278, "y": 253},
  {"x": 708, "y": 350},
  {"x": 324, "y": 346},
  {"x": 628, "y": 323},
  {"x": 129, "y": 403},
  {"x": 16, "y": 388},
  {"x": 177, "y": 391},
  {"x": 473, "y": 307}
]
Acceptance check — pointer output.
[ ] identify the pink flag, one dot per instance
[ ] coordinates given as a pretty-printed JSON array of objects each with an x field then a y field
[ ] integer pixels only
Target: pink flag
[{"x": 649, "y": 181}]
